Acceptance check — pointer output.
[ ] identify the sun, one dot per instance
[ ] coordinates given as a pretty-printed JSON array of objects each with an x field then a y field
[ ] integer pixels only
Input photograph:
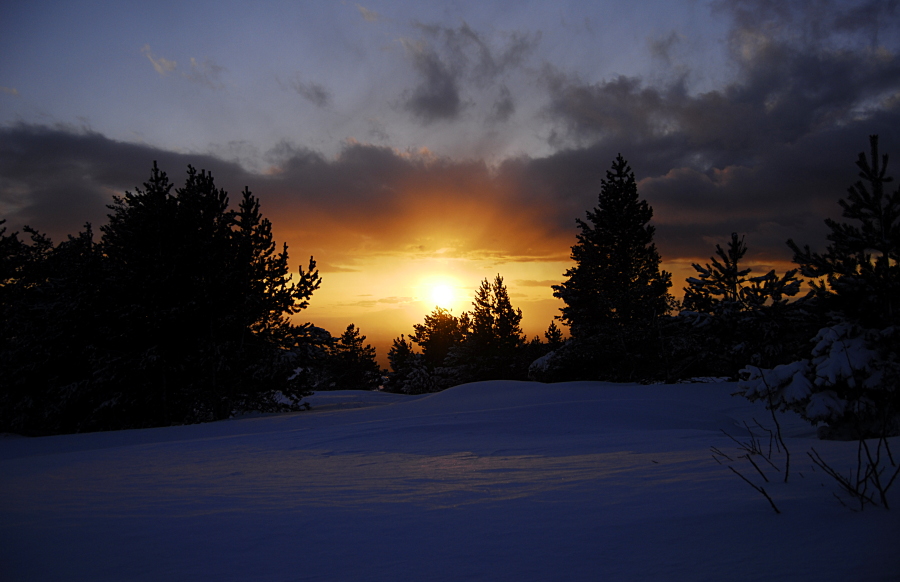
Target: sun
[{"x": 443, "y": 295}]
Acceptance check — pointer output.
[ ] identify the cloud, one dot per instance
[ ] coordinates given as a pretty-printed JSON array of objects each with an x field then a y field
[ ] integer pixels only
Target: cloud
[
  {"x": 368, "y": 15},
  {"x": 205, "y": 72},
  {"x": 437, "y": 96},
  {"x": 795, "y": 73},
  {"x": 449, "y": 61},
  {"x": 161, "y": 65},
  {"x": 316, "y": 94},
  {"x": 75, "y": 178},
  {"x": 504, "y": 106},
  {"x": 9, "y": 90},
  {"x": 768, "y": 153}
]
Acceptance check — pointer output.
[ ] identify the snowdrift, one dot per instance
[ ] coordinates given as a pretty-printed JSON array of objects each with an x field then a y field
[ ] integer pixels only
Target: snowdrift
[{"x": 485, "y": 481}]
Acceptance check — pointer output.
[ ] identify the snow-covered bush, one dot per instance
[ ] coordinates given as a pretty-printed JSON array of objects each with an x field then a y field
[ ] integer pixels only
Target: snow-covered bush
[{"x": 849, "y": 384}]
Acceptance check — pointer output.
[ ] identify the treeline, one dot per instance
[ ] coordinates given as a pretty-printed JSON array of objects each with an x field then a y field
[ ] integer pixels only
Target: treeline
[
  {"x": 831, "y": 354},
  {"x": 485, "y": 343},
  {"x": 180, "y": 313}
]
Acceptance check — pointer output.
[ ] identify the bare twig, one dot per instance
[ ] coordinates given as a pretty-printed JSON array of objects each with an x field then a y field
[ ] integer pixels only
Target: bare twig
[{"x": 757, "y": 487}]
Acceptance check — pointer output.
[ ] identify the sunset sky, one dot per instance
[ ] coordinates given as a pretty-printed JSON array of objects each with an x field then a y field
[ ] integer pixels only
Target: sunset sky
[{"x": 412, "y": 144}]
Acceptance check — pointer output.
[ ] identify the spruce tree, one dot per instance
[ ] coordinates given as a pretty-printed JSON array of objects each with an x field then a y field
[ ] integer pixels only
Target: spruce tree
[
  {"x": 179, "y": 314},
  {"x": 352, "y": 362},
  {"x": 849, "y": 382},
  {"x": 492, "y": 337},
  {"x": 861, "y": 265},
  {"x": 554, "y": 336},
  {"x": 616, "y": 282},
  {"x": 494, "y": 327},
  {"x": 401, "y": 359},
  {"x": 436, "y": 335},
  {"x": 733, "y": 319}
]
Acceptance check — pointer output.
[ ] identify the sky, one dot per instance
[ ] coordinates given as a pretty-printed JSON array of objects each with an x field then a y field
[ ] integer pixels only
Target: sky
[{"x": 407, "y": 145}]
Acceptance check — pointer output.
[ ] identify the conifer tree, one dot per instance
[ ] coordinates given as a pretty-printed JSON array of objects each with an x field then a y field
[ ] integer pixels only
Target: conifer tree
[
  {"x": 615, "y": 294},
  {"x": 554, "y": 336},
  {"x": 494, "y": 323},
  {"x": 352, "y": 363},
  {"x": 436, "y": 335},
  {"x": 735, "y": 319},
  {"x": 178, "y": 314},
  {"x": 401, "y": 358},
  {"x": 724, "y": 287},
  {"x": 616, "y": 282},
  {"x": 861, "y": 265},
  {"x": 492, "y": 336},
  {"x": 849, "y": 381}
]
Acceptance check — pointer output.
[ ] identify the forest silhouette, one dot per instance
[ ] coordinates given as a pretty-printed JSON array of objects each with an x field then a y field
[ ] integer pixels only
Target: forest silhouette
[{"x": 184, "y": 311}]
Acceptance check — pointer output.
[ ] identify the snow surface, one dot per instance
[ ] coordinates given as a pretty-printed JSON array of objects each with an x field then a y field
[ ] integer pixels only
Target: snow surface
[{"x": 486, "y": 481}]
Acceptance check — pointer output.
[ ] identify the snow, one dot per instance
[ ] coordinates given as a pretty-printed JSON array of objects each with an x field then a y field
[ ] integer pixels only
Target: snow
[{"x": 486, "y": 481}]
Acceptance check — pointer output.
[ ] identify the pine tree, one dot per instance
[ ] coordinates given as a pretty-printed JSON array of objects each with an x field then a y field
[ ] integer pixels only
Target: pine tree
[
  {"x": 179, "y": 314},
  {"x": 352, "y": 363},
  {"x": 554, "y": 336},
  {"x": 861, "y": 266},
  {"x": 849, "y": 381},
  {"x": 439, "y": 332},
  {"x": 492, "y": 336},
  {"x": 616, "y": 282},
  {"x": 400, "y": 358},
  {"x": 494, "y": 327},
  {"x": 615, "y": 295},
  {"x": 735, "y": 319}
]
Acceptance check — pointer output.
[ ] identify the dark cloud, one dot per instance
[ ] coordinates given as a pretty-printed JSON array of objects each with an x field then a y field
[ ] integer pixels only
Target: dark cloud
[
  {"x": 534, "y": 283},
  {"x": 504, "y": 106},
  {"x": 447, "y": 60},
  {"x": 315, "y": 93},
  {"x": 768, "y": 154},
  {"x": 437, "y": 96},
  {"x": 56, "y": 179},
  {"x": 368, "y": 200}
]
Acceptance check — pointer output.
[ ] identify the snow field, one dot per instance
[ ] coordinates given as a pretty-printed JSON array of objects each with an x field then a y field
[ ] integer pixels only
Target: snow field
[{"x": 486, "y": 481}]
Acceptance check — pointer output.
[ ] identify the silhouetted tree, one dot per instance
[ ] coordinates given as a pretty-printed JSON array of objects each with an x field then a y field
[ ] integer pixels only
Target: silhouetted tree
[
  {"x": 861, "y": 265},
  {"x": 736, "y": 319},
  {"x": 401, "y": 358},
  {"x": 439, "y": 332},
  {"x": 352, "y": 363},
  {"x": 50, "y": 331},
  {"x": 849, "y": 382},
  {"x": 616, "y": 282},
  {"x": 615, "y": 295},
  {"x": 179, "y": 314},
  {"x": 554, "y": 336},
  {"x": 492, "y": 337}
]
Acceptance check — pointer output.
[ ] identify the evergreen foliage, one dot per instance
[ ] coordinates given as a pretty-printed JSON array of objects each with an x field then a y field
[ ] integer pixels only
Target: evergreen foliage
[
  {"x": 492, "y": 336},
  {"x": 437, "y": 334},
  {"x": 554, "y": 336},
  {"x": 352, "y": 364},
  {"x": 401, "y": 360},
  {"x": 616, "y": 282},
  {"x": 615, "y": 295},
  {"x": 486, "y": 343},
  {"x": 861, "y": 265},
  {"x": 180, "y": 313},
  {"x": 731, "y": 319},
  {"x": 849, "y": 380}
]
